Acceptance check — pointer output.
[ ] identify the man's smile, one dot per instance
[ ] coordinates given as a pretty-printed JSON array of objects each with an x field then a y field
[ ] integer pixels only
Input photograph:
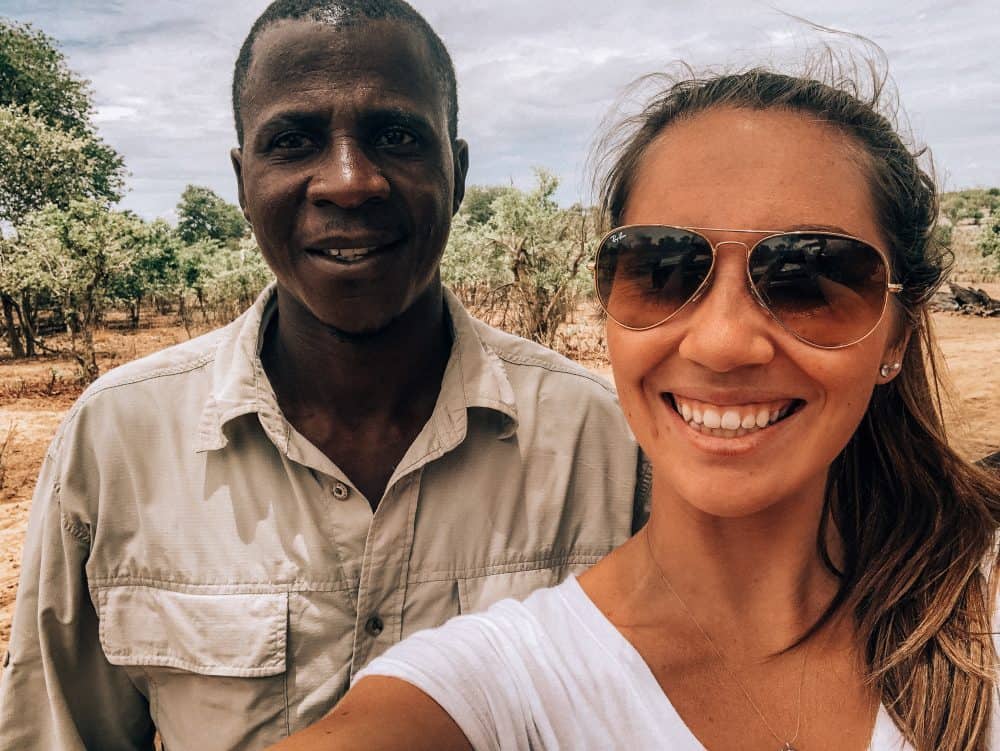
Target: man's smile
[{"x": 353, "y": 249}]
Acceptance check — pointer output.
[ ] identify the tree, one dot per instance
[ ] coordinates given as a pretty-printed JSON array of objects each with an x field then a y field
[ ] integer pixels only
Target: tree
[
  {"x": 477, "y": 206},
  {"x": 204, "y": 215},
  {"x": 46, "y": 105},
  {"x": 50, "y": 153},
  {"x": 41, "y": 164},
  {"x": 34, "y": 72},
  {"x": 153, "y": 266},
  {"x": 77, "y": 256},
  {"x": 523, "y": 268}
]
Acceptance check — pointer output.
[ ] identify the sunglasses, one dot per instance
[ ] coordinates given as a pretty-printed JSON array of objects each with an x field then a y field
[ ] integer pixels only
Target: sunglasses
[{"x": 827, "y": 289}]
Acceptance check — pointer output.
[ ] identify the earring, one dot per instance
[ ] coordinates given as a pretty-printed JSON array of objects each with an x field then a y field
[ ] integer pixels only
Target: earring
[{"x": 888, "y": 369}]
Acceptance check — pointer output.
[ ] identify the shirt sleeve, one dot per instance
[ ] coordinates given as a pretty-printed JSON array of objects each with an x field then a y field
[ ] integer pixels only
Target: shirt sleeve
[
  {"x": 472, "y": 668},
  {"x": 57, "y": 689}
]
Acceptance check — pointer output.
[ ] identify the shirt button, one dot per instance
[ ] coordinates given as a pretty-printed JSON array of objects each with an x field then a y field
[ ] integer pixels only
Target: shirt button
[
  {"x": 374, "y": 626},
  {"x": 341, "y": 491}
]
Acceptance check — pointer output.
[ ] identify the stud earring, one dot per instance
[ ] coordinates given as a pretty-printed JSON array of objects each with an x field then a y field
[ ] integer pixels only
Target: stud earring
[{"x": 888, "y": 369}]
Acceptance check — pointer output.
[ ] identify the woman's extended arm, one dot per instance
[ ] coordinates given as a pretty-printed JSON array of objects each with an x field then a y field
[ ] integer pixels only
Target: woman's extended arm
[{"x": 381, "y": 714}]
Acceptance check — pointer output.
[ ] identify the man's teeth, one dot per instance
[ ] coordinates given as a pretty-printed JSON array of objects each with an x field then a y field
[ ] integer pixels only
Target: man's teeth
[
  {"x": 347, "y": 254},
  {"x": 732, "y": 421}
]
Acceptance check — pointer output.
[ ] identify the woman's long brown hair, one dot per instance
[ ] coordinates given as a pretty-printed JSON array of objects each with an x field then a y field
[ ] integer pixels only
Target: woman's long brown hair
[{"x": 917, "y": 522}]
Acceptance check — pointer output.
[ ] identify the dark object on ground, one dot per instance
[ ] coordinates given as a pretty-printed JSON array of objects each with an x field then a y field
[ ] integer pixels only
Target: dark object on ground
[
  {"x": 990, "y": 462},
  {"x": 964, "y": 300}
]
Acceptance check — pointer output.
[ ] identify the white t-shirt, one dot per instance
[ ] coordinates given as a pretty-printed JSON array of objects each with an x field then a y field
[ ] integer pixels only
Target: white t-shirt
[{"x": 553, "y": 673}]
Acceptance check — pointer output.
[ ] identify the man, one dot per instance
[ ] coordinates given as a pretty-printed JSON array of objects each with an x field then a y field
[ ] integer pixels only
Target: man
[{"x": 225, "y": 532}]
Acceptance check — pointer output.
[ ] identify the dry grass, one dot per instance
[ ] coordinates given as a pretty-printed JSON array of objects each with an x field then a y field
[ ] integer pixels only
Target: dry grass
[{"x": 971, "y": 266}]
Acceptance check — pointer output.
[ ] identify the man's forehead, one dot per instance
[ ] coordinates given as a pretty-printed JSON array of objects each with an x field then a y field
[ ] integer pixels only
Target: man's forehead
[{"x": 338, "y": 53}]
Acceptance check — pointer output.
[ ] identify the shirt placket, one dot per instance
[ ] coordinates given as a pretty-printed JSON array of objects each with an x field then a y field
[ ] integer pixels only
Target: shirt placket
[
  {"x": 349, "y": 517},
  {"x": 384, "y": 571}
]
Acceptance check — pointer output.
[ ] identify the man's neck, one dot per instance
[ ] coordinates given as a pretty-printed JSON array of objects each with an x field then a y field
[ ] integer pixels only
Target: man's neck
[
  {"x": 356, "y": 378},
  {"x": 362, "y": 401}
]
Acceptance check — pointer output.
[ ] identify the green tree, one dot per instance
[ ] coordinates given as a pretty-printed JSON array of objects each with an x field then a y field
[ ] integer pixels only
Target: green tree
[
  {"x": 204, "y": 215},
  {"x": 49, "y": 150},
  {"x": 153, "y": 267},
  {"x": 41, "y": 164},
  {"x": 524, "y": 267},
  {"x": 77, "y": 256},
  {"x": 37, "y": 84},
  {"x": 477, "y": 206},
  {"x": 34, "y": 72}
]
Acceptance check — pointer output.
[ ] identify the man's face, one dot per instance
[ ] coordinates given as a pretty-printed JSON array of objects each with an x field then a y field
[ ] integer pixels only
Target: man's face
[{"x": 347, "y": 170}]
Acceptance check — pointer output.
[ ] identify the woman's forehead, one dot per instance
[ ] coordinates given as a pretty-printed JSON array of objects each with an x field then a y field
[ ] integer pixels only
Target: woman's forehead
[{"x": 736, "y": 167}]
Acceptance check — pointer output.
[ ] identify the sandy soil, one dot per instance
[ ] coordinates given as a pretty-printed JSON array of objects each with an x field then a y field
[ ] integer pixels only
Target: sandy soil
[{"x": 34, "y": 396}]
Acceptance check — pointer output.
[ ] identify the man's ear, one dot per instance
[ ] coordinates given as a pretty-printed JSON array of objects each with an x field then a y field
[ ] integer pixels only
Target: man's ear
[
  {"x": 461, "y": 154},
  {"x": 236, "y": 156}
]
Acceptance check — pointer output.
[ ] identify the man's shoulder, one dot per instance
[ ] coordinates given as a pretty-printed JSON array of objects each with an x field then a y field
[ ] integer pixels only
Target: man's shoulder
[
  {"x": 520, "y": 354},
  {"x": 164, "y": 384},
  {"x": 175, "y": 360}
]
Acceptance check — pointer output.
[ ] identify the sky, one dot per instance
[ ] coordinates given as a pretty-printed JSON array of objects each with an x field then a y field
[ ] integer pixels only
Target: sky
[{"x": 537, "y": 78}]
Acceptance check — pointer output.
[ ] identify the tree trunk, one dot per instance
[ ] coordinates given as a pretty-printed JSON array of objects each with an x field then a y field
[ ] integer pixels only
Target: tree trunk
[
  {"x": 182, "y": 311},
  {"x": 88, "y": 357},
  {"x": 29, "y": 325},
  {"x": 13, "y": 335},
  {"x": 134, "y": 311}
]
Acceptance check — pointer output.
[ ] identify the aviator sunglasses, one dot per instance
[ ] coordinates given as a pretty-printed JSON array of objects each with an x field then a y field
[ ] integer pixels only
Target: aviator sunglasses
[{"x": 827, "y": 289}]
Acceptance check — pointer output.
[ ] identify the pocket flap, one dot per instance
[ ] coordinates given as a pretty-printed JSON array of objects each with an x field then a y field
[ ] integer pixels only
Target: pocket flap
[{"x": 239, "y": 635}]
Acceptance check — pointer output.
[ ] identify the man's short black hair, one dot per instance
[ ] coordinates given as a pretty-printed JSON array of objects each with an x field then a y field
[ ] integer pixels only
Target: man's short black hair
[{"x": 343, "y": 12}]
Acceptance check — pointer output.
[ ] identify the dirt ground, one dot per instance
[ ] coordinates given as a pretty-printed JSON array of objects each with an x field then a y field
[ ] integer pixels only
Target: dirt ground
[{"x": 35, "y": 394}]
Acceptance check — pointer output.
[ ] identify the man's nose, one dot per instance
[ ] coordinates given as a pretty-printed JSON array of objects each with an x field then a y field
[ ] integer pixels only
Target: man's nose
[
  {"x": 726, "y": 328},
  {"x": 347, "y": 177}
]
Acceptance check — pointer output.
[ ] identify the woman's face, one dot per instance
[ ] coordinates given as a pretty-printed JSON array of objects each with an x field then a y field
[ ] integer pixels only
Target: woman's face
[{"x": 747, "y": 169}]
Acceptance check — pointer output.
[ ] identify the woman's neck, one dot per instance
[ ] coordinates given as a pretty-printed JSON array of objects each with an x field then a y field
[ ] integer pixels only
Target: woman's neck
[{"x": 761, "y": 574}]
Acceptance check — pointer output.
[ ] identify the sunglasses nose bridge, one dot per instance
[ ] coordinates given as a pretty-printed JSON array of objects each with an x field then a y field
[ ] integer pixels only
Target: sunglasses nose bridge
[
  {"x": 716, "y": 246},
  {"x": 733, "y": 242}
]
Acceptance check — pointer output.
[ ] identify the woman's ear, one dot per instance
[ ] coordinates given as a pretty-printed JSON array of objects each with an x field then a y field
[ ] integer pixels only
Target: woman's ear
[{"x": 892, "y": 359}]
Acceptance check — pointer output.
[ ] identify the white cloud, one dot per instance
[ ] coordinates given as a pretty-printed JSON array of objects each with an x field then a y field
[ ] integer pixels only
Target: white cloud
[{"x": 535, "y": 78}]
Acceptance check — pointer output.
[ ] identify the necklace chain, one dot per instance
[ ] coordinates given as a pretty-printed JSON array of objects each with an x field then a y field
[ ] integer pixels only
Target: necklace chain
[{"x": 786, "y": 745}]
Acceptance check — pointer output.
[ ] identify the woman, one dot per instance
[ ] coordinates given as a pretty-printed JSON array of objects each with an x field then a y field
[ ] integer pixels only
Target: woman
[{"x": 815, "y": 573}]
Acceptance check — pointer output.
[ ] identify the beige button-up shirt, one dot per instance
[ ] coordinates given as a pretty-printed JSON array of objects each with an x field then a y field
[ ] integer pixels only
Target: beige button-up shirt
[{"x": 196, "y": 566}]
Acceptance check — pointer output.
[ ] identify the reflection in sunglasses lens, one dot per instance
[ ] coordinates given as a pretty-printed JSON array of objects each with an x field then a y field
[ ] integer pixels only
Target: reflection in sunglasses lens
[
  {"x": 645, "y": 274},
  {"x": 826, "y": 289}
]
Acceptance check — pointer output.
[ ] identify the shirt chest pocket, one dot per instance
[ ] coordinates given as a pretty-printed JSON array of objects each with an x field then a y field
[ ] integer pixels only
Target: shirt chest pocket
[{"x": 213, "y": 664}]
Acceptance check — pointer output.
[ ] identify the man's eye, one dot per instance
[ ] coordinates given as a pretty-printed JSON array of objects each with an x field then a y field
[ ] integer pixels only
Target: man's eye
[
  {"x": 291, "y": 141},
  {"x": 395, "y": 138}
]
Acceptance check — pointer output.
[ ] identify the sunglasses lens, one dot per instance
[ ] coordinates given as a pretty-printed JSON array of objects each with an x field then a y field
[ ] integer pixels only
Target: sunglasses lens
[
  {"x": 828, "y": 290},
  {"x": 646, "y": 274}
]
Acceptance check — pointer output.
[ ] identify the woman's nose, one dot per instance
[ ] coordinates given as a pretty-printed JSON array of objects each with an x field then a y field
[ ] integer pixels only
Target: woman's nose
[{"x": 726, "y": 329}]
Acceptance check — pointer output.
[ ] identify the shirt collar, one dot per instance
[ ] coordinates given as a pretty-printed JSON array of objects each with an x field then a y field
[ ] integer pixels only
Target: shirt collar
[{"x": 475, "y": 377}]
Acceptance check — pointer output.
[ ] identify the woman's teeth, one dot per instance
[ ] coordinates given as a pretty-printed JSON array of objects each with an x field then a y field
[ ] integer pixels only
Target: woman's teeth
[{"x": 734, "y": 420}]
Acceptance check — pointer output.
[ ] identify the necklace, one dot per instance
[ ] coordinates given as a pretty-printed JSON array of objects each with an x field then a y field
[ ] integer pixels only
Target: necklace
[{"x": 785, "y": 745}]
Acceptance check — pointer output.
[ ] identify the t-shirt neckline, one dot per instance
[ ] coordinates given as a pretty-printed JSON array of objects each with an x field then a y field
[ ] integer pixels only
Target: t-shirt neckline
[{"x": 885, "y": 735}]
